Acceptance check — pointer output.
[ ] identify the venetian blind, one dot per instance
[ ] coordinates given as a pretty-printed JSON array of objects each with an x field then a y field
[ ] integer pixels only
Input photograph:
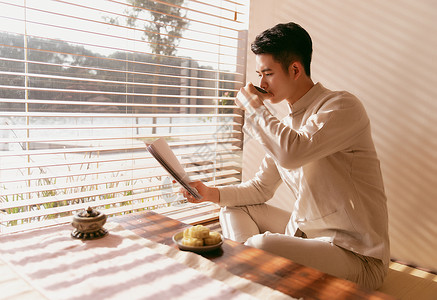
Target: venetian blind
[{"x": 86, "y": 84}]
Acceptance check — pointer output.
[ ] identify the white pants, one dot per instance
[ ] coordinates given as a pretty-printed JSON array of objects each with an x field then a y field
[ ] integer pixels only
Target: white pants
[{"x": 263, "y": 226}]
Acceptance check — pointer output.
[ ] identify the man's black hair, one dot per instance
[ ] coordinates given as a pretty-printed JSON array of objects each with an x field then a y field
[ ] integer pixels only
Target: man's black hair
[{"x": 287, "y": 42}]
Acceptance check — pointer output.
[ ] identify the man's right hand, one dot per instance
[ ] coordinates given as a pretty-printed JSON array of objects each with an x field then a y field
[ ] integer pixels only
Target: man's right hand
[{"x": 208, "y": 193}]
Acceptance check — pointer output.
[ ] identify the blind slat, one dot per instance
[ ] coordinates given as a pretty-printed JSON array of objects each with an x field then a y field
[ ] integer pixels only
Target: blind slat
[
  {"x": 110, "y": 126},
  {"x": 88, "y": 80},
  {"x": 106, "y": 115},
  {"x": 100, "y": 149},
  {"x": 108, "y": 93},
  {"x": 89, "y": 103},
  {"x": 99, "y": 138}
]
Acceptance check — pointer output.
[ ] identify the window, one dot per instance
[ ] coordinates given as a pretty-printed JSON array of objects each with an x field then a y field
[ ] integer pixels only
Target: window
[{"x": 85, "y": 84}]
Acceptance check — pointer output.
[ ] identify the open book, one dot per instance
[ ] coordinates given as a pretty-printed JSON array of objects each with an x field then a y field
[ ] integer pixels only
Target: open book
[{"x": 161, "y": 151}]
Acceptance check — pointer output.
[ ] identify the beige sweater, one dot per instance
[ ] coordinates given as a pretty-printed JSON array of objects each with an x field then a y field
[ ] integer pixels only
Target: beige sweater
[{"x": 323, "y": 151}]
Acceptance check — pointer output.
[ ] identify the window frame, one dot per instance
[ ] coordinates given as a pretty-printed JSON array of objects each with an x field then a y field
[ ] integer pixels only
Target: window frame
[{"x": 92, "y": 92}]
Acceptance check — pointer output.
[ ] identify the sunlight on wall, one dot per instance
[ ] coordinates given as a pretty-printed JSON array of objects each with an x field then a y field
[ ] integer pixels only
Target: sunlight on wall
[{"x": 384, "y": 53}]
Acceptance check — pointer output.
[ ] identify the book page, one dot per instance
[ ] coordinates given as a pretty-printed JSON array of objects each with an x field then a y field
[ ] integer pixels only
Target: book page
[
  {"x": 167, "y": 155},
  {"x": 162, "y": 152}
]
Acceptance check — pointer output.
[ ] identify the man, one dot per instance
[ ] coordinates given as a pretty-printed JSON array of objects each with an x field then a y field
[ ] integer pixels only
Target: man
[{"x": 324, "y": 153}]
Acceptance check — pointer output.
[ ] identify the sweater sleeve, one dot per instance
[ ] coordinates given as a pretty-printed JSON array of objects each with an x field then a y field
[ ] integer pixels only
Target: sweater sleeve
[
  {"x": 330, "y": 128},
  {"x": 255, "y": 191}
]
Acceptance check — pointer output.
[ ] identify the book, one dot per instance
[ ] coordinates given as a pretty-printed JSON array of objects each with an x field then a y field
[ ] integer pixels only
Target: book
[{"x": 162, "y": 152}]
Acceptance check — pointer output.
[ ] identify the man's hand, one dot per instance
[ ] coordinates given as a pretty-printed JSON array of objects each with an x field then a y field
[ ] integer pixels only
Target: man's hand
[
  {"x": 249, "y": 98},
  {"x": 208, "y": 193}
]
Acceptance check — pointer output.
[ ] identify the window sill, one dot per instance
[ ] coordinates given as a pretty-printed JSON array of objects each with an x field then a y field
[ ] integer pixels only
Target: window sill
[{"x": 192, "y": 214}]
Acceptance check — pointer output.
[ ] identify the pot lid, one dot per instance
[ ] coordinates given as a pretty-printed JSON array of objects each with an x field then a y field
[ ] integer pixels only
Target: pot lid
[{"x": 88, "y": 213}]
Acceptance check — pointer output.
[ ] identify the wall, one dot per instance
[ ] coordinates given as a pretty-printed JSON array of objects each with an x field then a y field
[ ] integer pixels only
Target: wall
[{"x": 385, "y": 53}]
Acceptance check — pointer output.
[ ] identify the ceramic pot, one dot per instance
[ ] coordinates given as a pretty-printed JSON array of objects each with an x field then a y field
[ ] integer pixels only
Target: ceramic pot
[{"x": 88, "y": 224}]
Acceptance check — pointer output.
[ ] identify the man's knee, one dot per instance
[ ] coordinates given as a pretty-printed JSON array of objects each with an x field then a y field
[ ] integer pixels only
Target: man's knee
[
  {"x": 233, "y": 209},
  {"x": 228, "y": 214},
  {"x": 237, "y": 224},
  {"x": 260, "y": 241}
]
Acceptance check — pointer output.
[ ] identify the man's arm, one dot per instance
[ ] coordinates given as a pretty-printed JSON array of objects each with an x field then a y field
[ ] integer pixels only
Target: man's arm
[
  {"x": 255, "y": 191},
  {"x": 334, "y": 127},
  {"x": 258, "y": 190}
]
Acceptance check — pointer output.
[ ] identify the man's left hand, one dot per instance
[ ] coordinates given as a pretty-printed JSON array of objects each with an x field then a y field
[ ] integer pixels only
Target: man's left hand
[{"x": 248, "y": 98}]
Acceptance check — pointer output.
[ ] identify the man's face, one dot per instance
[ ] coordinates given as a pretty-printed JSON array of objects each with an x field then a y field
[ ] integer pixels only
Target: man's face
[{"x": 273, "y": 78}]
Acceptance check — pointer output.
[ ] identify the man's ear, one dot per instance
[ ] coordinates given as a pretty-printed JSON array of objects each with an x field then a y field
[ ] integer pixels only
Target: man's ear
[{"x": 295, "y": 69}]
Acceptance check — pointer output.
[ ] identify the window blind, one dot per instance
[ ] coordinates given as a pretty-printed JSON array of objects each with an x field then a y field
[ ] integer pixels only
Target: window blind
[{"x": 85, "y": 85}]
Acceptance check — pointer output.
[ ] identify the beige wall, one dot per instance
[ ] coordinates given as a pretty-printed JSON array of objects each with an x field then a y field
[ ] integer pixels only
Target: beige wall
[{"x": 385, "y": 52}]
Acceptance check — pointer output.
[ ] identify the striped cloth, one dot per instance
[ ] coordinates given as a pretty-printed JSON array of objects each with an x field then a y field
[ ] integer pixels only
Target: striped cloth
[{"x": 121, "y": 265}]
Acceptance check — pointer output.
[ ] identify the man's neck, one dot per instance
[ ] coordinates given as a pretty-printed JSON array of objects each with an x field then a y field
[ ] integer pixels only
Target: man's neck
[{"x": 304, "y": 86}]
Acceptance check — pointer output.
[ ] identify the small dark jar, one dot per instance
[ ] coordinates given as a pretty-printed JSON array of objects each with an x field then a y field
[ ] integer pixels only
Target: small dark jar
[{"x": 88, "y": 225}]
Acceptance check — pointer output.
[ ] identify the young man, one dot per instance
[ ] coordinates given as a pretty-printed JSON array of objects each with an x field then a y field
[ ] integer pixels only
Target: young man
[{"x": 323, "y": 151}]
